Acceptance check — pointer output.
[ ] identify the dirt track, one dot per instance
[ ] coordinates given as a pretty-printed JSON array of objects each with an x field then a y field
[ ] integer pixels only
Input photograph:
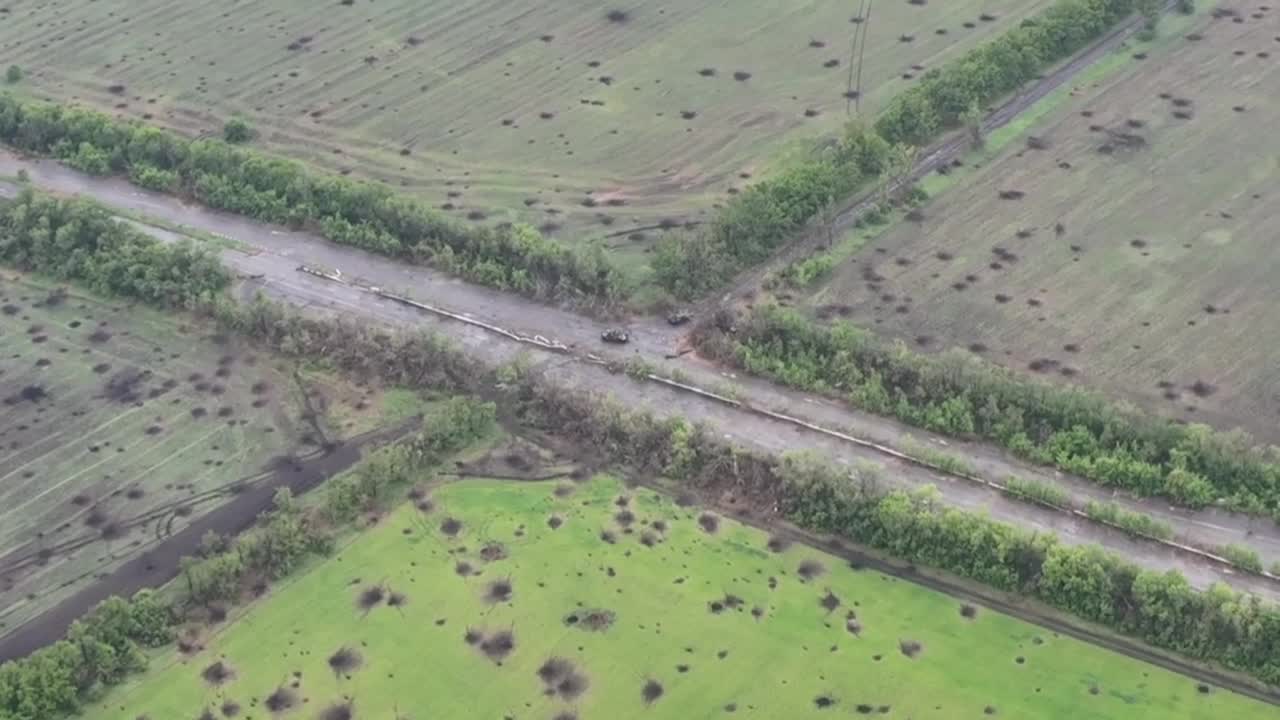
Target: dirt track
[
  {"x": 159, "y": 564},
  {"x": 275, "y": 253}
]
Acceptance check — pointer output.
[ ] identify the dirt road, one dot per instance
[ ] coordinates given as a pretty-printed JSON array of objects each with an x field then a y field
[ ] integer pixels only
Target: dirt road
[{"x": 272, "y": 254}]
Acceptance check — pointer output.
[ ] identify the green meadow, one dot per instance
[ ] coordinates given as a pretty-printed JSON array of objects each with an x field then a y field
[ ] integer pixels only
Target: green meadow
[{"x": 501, "y": 599}]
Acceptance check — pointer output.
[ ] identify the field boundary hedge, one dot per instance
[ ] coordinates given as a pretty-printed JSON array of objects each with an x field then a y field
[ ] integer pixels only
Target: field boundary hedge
[
  {"x": 957, "y": 394},
  {"x": 365, "y": 215},
  {"x": 763, "y": 217}
]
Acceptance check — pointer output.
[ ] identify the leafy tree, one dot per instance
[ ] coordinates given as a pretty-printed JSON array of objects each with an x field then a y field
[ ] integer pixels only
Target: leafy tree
[
  {"x": 972, "y": 119},
  {"x": 1150, "y": 11},
  {"x": 237, "y": 131},
  {"x": 1067, "y": 427}
]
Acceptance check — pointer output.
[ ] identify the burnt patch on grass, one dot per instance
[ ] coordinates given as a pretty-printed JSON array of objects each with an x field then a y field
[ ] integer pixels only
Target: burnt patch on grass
[
  {"x": 339, "y": 711},
  {"x": 560, "y": 677},
  {"x": 218, "y": 673},
  {"x": 499, "y": 591},
  {"x": 499, "y": 645},
  {"x": 281, "y": 699},
  {"x": 709, "y": 523},
  {"x": 345, "y": 661},
  {"x": 651, "y": 692},
  {"x": 810, "y": 569},
  {"x": 371, "y": 597},
  {"x": 910, "y": 648}
]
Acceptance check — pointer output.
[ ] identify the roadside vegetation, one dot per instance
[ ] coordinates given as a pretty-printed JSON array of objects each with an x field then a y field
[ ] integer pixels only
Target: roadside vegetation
[
  {"x": 958, "y": 394},
  {"x": 364, "y": 215},
  {"x": 76, "y": 240}
]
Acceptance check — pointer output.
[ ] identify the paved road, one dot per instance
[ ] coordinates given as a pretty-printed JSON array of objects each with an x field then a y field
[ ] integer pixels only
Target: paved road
[{"x": 271, "y": 256}]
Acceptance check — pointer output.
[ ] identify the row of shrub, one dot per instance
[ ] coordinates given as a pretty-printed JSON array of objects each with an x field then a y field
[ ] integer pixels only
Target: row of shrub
[
  {"x": 365, "y": 215},
  {"x": 289, "y": 533},
  {"x": 759, "y": 220},
  {"x": 1221, "y": 626},
  {"x": 959, "y": 394},
  {"x": 100, "y": 650},
  {"x": 108, "y": 644},
  {"x": 76, "y": 240}
]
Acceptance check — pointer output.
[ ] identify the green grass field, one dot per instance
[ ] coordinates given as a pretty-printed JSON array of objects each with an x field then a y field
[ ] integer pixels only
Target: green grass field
[
  {"x": 713, "y": 624},
  {"x": 1139, "y": 258},
  {"x": 498, "y": 109},
  {"x": 121, "y": 423}
]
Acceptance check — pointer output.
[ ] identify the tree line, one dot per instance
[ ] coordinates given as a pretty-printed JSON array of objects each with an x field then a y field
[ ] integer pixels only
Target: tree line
[
  {"x": 107, "y": 645},
  {"x": 1221, "y": 626},
  {"x": 100, "y": 650},
  {"x": 958, "y": 394},
  {"x": 289, "y": 533},
  {"x": 365, "y": 215},
  {"x": 79, "y": 241},
  {"x": 767, "y": 214}
]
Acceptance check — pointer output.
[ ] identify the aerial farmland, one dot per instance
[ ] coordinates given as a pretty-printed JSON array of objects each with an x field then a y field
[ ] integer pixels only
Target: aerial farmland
[
  {"x": 584, "y": 119},
  {"x": 1123, "y": 241},
  {"x": 396, "y": 359}
]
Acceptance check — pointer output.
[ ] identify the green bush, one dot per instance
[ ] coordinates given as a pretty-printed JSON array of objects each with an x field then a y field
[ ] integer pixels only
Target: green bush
[
  {"x": 349, "y": 212},
  {"x": 100, "y": 649},
  {"x": 1221, "y": 626},
  {"x": 805, "y": 272},
  {"x": 757, "y": 221},
  {"x": 1134, "y": 522},
  {"x": 981, "y": 76},
  {"x": 1242, "y": 557},
  {"x": 1038, "y": 491},
  {"x": 957, "y": 394},
  {"x": 77, "y": 240},
  {"x": 13, "y": 75},
  {"x": 237, "y": 131}
]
